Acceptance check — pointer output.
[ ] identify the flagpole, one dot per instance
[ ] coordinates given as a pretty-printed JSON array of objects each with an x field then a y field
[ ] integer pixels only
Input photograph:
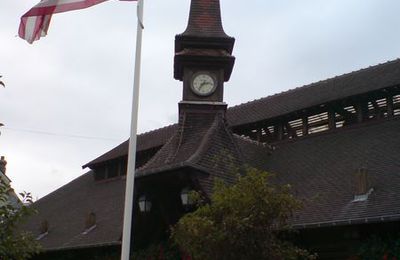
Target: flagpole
[{"x": 130, "y": 177}]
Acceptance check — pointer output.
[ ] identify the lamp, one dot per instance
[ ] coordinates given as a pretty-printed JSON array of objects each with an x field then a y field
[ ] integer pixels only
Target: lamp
[
  {"x": 144, "y": 204},
  {"x": 186, "y": 201}
]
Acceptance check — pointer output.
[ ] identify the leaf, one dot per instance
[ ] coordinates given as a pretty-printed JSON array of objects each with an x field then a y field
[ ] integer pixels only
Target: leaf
[{"x": 237, "y": 219}]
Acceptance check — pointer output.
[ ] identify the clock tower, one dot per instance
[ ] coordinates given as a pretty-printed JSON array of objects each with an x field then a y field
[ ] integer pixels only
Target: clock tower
[{"x": 203, "y": 57}]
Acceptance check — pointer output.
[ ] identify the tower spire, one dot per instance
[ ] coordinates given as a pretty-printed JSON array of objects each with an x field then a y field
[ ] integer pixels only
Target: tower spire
[
  {"x": 205, "y": 19},
  {"x": 204, "y": 39}
]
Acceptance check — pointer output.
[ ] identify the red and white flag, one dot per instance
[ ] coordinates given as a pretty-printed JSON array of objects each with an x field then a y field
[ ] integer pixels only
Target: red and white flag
[{"x": 35, "y": 23}]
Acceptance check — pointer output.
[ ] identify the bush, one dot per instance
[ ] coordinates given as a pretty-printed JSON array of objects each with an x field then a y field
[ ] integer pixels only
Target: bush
[
  {"x": 246, "y": 220},
  {"x": 15, "y": 244}
]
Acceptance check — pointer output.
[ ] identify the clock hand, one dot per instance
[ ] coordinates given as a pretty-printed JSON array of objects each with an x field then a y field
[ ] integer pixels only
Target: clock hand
[{"x": 202, "y": 84}]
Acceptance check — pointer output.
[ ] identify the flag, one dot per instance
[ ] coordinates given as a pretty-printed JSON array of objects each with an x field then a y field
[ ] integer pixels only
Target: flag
[{"x": 35, "y": 23}]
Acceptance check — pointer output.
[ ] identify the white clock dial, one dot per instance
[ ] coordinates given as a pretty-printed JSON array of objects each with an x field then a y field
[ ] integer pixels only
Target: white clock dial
[{"x": 203, "y": 84}]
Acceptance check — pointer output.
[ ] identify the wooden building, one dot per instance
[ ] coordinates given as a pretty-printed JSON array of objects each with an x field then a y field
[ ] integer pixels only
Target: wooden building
[{"x": 337, "y": 142}]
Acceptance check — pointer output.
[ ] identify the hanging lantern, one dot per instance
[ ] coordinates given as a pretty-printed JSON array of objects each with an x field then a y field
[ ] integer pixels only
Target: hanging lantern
[
  {"x": 144, "y": 204},
  {"x": 186, "y": 201}
]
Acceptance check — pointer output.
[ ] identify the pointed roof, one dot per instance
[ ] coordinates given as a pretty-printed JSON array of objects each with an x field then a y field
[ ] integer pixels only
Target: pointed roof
[
  {"x": 204, "y": 39},
  {"x": 81, "y": 196},
  {"x": 145, "y": 141},
  {"x": 205, "y": 20},
  {"x": 201, "y": 141}
]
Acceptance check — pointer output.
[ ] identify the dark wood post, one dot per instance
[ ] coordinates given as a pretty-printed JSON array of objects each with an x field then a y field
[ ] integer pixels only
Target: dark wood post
[
  {"x": 331, "y": 119},
  {"x": 389, "y": 105},
  {"x": 362, "y": 110},
  {"x": 259, "y": 134},
  {"x": 279, "y": 131},
  {"x": 305, "y": 125}
]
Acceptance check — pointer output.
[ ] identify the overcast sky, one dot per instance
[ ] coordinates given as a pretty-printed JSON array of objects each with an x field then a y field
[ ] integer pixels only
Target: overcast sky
[{"x": 68, "y": 96}]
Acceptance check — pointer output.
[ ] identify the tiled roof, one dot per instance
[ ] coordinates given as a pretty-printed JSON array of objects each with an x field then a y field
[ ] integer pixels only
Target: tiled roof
[
  {"x": 319, "y": 167},
  {"x": 183, "y": 146},
  {"x": 204, "y": 31},
  {"x": 347, "y": 85},
  {"x": 145, "y": 141},
  {"x": 202, "y": 141},
  {"x": 205, "y": 19},
  {"x": 358, "y": 82},
  {"x": 321, "y": 170},
  {"x": 67, "y": 208}
]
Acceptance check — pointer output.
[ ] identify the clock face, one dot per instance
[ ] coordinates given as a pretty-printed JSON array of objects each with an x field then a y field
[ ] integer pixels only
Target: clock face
[{"x": 203, "y": 84}]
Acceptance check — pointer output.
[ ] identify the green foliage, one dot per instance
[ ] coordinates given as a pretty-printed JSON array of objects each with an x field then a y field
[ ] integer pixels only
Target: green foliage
[
  {"x": 246, "y": 220},
  {"x": 14, "y": 244},
  {"x": 2, "y": 83},
  {"x": 378, "y": 247}
]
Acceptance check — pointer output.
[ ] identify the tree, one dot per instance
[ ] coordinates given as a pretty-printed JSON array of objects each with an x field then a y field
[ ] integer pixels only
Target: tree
[
  {"x": 15, "y": 244},
  {"x": 247, "y": 220}
]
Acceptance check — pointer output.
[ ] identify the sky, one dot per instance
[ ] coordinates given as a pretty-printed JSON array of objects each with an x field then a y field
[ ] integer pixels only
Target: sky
[{"x": 68, "y": 96}]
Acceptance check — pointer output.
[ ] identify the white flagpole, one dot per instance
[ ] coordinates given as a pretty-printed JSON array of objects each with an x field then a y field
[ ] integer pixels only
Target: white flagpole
[{"x": 130, "y": 177}]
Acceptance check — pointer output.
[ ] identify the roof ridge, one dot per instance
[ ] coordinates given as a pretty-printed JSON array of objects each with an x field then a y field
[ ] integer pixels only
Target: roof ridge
[
  {"x": 63, "y": 187},
  {"x": 315, "y": 83},
  {"x": 247, "y": 139},
  {"x": 157, "y": 129}
]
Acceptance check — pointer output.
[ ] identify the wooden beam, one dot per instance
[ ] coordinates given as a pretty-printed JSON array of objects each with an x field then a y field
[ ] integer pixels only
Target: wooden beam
[
  {"x": 259, "y": 134},
  {"x": 348, "y": 117},
  {"x": 305, "y": 125},
  {"x": 278, "y": 129},
  {"x": 290, "y": 130},
  {"x": 331, "y": 119},
  {"x": 361, "y": 110},
  {"x": 390, "y": 106},
  {"x": 377, "y": 109}
]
